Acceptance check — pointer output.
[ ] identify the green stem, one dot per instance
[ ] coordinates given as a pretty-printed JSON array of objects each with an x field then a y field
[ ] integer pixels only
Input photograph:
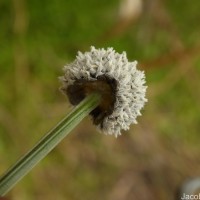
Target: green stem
[{"x": 47, "y": 143}]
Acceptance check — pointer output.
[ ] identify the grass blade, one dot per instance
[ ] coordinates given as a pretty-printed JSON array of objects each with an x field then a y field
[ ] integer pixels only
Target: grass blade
[{"x": 47, "y": 143}]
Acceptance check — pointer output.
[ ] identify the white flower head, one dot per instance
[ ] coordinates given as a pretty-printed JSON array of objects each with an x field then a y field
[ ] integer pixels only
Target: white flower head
[{"x": 120, "y": 83}]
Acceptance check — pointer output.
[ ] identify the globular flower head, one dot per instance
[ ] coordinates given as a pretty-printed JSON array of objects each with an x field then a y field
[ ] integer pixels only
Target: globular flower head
[{"x": 120, "y": 83}]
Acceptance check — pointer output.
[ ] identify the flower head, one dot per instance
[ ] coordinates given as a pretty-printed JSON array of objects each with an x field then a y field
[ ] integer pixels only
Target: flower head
[{"x": 119, "y": 82}]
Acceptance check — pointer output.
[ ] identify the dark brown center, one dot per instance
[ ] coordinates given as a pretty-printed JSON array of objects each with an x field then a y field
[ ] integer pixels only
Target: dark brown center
[{"x": 104, "y": 85}]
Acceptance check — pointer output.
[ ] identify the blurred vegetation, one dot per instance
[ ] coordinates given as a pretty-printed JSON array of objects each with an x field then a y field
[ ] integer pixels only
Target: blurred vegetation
[{"x": 150, "y": 161}]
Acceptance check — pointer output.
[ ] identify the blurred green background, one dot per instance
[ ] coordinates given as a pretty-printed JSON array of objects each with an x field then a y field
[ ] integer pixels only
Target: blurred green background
[{"x": 150, "y": 161}]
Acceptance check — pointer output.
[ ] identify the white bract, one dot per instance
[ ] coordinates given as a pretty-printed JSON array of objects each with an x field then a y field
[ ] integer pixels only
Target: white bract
[{"x": 130, "y": 91}]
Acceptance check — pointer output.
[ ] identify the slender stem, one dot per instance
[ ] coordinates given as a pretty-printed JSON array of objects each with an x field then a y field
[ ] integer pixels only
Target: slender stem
[{"x": 47, "y": 143}]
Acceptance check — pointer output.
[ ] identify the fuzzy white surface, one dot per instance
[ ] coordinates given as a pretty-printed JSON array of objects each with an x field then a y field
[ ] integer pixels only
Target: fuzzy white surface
[{"x": 130, "y": 94}]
